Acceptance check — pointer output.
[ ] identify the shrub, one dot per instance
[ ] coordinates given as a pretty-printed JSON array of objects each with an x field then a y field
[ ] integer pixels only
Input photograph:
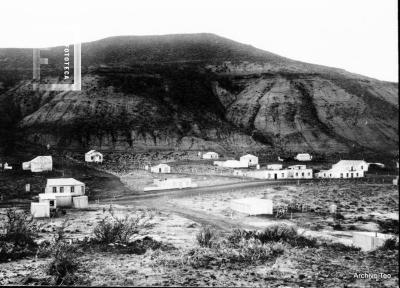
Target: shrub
[
  {"x": 275, "y": 233},
  {"x": 113, "y": 229},
  {"x": 390, "y": 244},
  {"x": 18, "y": 241},
  {"x": 64, "y": 264},
  {"x": 206, "y": 237}
]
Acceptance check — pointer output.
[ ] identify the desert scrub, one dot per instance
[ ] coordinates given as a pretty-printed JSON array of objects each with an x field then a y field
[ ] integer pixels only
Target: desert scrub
[
  {"x": 64, "y": 265},
  {"x": 18, "y": 239},
  {"x": 285, "y": 233},
  {"x": 113, "y": 229},
  {"x": 206, "y": 237},
  {"x": 245, "y": 252}
]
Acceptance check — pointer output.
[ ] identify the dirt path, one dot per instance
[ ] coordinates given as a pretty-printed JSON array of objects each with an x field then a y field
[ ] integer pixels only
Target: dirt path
[{"x": 220, "y": 223}]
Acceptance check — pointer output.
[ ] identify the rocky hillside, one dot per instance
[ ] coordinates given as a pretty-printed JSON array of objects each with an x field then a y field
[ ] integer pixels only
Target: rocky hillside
[{"x": 196, "y": 92}]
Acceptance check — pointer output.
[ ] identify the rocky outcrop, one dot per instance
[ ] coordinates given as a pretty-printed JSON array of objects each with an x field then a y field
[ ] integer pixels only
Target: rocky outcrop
[{"x": 206, "y": 93}]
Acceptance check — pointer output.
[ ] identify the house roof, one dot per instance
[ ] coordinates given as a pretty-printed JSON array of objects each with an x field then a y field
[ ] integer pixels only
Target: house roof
[
  {"x": 161, "y": 165},
  {"x": 42, "y": 159},
  {"x": 63, "y": 182},
  {"x": 210, "y": 152},
  {"x": 92, "y": 151},
  {"x": 249, "y": 155},
  {"x": 350, "y": 162}
]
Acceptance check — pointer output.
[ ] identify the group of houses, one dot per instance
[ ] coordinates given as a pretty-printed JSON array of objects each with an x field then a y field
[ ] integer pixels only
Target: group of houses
[
  {"x": 245, "y": 161},
  {"x": 276, "y": 171},
  {"x": 60, "y": 193}
]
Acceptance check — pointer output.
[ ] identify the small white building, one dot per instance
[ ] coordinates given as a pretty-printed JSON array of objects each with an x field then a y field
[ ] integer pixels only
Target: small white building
[
  {"x": 351, "y": 165},
  {"x": 210, "y": 155},
  {"x": 303, "y": 157},
  {"x": 80, "y": 202},
  {"x": 7, "y": 167},
  {"x": 161, "y": 168},
  {"x": 345, "y": 169},
  {"x": 252, "y": 206},
  {"x": 274, "y": 166},
  {"x": 49, "y": 198},
  {"x": 249, "y": 159},
  {"x": 65, "y": 186},
  {"x": 40, "y": 210},
  {"x": 93, "y": 156},
  {"x": 369, "y": 240},
  {"x": 170, "y": 183},
  {"x": 39, "y": 164}
]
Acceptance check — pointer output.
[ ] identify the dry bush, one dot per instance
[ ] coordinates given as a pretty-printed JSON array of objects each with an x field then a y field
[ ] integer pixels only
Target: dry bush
[
  {"x": 285, "y": 233},
  {"x": 120, "y": 230},
  {"x": 206, "y": 237},
  {"x": 390, "y": 244},
  {"x": 18, "y": 241},
  {"x": 64, "y": 264}
]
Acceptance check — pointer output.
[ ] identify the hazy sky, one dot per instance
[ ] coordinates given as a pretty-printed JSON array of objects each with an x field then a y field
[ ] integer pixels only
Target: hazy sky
[{"x": 357, "y": 35}]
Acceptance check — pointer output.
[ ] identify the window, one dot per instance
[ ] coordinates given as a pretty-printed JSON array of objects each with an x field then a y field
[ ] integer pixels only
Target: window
[
  {"x": 82, "y": 189},
  {"x": 297, "y": 174},
  {"x": 341, "y": 175},
  {"x": 61, "y": 189},
  {"x": 302, "y": 174},
  {"x": 309, "y": 173},
  {"x": 283, "y": 175},
  {"x": 361, "y": 167},
  {"x": 54, "y": 189},
  {"x": 72, "y": 189},
  {"x": 51, "y": 203},
  {"x": 269, "y": 175},
  {"x": 357, "y": 174},
  {"x": 347, "y": 175}
]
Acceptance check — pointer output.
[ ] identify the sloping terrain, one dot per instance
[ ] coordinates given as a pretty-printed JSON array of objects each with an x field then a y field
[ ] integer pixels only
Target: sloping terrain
[{"x": 196, "y": 91}]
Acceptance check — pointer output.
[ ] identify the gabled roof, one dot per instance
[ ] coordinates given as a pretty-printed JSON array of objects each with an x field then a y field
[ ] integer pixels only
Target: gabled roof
[
  {"x": 63, "y": 182},
  {"x": 43, "y": 159},
  {"x": 249, "y": 155},
  {"x": 350, "y": 162},
  {"x": 161, "y": 165},
  {"x": 92, "y": 151}
]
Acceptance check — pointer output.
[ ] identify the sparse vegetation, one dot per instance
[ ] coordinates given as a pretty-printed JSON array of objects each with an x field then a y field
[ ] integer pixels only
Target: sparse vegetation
[
  {"x": 206, "y": 237},
  {"x": 18, "y": 237},
  {"x": 64, "y": 264},
  {"x": 113, "y": 229}
]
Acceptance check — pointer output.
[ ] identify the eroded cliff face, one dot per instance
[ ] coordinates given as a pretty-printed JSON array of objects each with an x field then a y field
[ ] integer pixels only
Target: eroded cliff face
[
  {"x": 200, "y": 100},
  {"x": 303, "y": 113}
]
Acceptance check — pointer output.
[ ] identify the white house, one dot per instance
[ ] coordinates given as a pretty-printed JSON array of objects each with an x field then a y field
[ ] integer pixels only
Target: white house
[
  {"x": 345, "y": 169},
  {"x": 65, "y": 186},
  {"x": 274, "y": 166},
  {"x": 7, "y": 167},
  {"x": 252, "y": 206},
  {"x": 303, "y": 157},
  {"x": 161, "y": 168},
  {"x": 369, "y": 240},
  {"x": 40, "y": 210},
  {"x": 281, "y": 174},
  {"x": 351, "y": 165},
  {"x": 210, "y": 155},
  {"x": 39, "y": 164},
  {"x": 49, "y": 198},
  {"x": 171, "y": 183},
  {"x": 93, "y": 156},
  {"x": 249, "y": 159}
]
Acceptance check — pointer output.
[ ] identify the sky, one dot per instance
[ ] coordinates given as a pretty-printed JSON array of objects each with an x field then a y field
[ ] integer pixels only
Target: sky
[{"x": 359, "y": 36}]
